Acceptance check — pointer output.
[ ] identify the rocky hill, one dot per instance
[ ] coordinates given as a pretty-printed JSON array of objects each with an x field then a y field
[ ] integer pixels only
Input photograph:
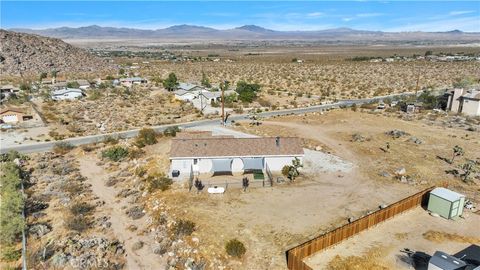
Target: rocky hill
[{"x": 24, "y": 54}]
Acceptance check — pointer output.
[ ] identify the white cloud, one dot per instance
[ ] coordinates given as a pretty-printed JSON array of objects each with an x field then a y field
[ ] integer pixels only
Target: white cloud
[
  {"x": 315, "y": 14},
  {"x": 467, "y": 24},
  {"x": 369, "y": 15},
  {"x": 461, "y": 12}
]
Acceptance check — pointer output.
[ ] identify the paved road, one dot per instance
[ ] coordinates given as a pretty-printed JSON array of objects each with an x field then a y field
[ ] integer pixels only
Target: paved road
[{"x": 46, "y": 146}]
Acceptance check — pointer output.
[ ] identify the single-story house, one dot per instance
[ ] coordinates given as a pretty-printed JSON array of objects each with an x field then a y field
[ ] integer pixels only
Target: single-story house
[
  {"x": 446, "y": 203},
  {"x": 464, "y": 101},
  {"x": 181, "y": 94},
  {"x": 13, "y": 115},
  {"x": 132, "y": 80},
  {"x": 220, "y": 155},
  {"x": 67, "y": 94},
  {"x": 8, "y": 90},
  {"x": 208, "y": 96},
  {"x": 83, "y": 84},
  {"x": 189, "y": 87}
]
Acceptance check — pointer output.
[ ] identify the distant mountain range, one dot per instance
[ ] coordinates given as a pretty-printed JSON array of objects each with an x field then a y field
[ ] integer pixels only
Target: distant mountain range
[{"x": 246, "y": 32}]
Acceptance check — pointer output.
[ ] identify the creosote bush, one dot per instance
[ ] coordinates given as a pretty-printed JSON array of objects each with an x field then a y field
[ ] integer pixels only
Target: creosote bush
[
  {"x": 78, "y": 223},
  {"x": 62, "y": 148},
  {"x": 158, "y": 181},
  {"x": 235, "y": 248},
  {"x": 184, "y": 228},
  {"x": 146, "y": 136},
  {"x": 115, "y": 153},
  {"x": 81, "y": 208}
]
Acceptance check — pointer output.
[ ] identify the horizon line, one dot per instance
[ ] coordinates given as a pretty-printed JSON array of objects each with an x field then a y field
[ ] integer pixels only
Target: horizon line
[{"x": 220, "y": 29}]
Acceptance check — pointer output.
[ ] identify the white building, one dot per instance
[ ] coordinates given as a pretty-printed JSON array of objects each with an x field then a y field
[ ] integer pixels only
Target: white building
[
  {"x": 220, "y": 155},
  {"x": 464, "y": 101},
  {"x": 128, "y": 82},
  {"x": 67, "y": 94},
  {"x": 185, "y": 95},
  {"x": 189, "y": 87}
]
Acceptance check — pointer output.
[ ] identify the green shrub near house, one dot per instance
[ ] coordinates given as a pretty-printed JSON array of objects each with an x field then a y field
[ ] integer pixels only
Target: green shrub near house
[
  {"x": 146, "y": 136},
  {"x": 115, "y": 153}
]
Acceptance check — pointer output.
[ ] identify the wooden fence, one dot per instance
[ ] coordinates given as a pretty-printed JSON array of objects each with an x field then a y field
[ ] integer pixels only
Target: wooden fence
[{"x": 296, "y": 255}]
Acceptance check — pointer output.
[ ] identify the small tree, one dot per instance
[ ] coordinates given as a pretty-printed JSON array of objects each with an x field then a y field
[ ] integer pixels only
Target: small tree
[
  {"x": 171, "y": 82},
  {"x": 235, "y": 248},
  {"x": 205, "y": 81},
  {"x": 457, "y": 151}
]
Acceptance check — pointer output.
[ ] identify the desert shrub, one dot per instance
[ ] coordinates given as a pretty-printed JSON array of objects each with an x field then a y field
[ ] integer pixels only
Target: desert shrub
[
  {"x": 134, "y": 153},
  {"x": 171, "y": 131},
  {"x": 115, "y": 153},
  {"x": 264, "y": 102},
  {"x": 81, "y": 208},
  {"x": 183, "y": 227},
  {"x": 146, "y": 136},
  {"x": 73, "y": 188},
  {"x": 11, "y": 254},
  {"x": 235, "y": 248},
  {"x": 158, "y": 181},
  {"x": 11, "y": 156},
  {"x": 110, "y": 140},
  {"x": 140, "y": 171},
  {"x": 62, "y": 148},
  {"x": 78, "y": 223}
]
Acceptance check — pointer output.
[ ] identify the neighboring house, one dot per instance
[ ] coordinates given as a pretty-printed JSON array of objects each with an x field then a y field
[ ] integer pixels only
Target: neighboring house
[
  {"x": 67, "y": 94},
  {"x": 6, "y": 91},
  {"x": 220, "y": 155},
  {"x": 189, "y": 87},
  {"x": 464, "y": 101},
  {"x": 184, "y": 95},
  {"x": 83, "y": 84},
  {"x": 13, "y": 116},
  {"x": 414, "y": 107},
  {"x": 131, "y": 81}
]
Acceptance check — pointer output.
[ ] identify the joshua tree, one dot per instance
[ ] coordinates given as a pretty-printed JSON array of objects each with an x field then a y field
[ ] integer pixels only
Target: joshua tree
[
  {"x": 457, "y": 151},
  {"x": 468, "y": 168},
  {"x": 291, "y": 171}
]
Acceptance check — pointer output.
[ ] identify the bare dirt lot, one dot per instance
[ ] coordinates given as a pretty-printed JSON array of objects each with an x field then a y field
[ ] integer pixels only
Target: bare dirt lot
[{"x": 408, "y": 230}]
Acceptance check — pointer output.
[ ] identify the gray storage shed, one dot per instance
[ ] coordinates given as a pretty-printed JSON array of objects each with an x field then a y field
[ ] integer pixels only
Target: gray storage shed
[{"x": 446, "y": 203}]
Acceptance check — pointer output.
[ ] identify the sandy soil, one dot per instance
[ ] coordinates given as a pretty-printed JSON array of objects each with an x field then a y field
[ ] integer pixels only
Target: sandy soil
[
  {"x": 403, "y": 231},
  {"x": 268, "y": 220},
  {"x": 115, "y": 209}
]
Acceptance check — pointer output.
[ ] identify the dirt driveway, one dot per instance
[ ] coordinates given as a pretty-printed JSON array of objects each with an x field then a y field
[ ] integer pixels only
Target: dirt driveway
[{"x": 115, "y": 208}]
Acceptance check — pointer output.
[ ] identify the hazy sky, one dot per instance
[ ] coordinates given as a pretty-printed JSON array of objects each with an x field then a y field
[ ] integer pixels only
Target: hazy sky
[{"x": 291, "y": 15}]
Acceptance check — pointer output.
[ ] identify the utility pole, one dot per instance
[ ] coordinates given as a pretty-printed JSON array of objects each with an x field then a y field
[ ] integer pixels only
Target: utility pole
[
  {"x": 201, "y": 102},
  {"x": 222, "y": 87}
]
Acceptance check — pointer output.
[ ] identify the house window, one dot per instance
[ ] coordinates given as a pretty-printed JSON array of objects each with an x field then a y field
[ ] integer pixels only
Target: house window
[{"x": 195, "y": 161}]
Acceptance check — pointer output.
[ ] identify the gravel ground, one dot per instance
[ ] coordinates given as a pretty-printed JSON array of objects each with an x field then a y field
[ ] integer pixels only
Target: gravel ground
[{"x": 316, "y": 161}]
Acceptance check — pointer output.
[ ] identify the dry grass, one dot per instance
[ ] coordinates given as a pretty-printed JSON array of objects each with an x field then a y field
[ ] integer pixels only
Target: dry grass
[
  {"x": 371, "y": 260},
  {"x": 438, "y": 237}
]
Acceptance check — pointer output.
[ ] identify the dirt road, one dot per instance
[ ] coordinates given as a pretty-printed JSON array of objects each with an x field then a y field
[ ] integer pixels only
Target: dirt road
[{"x": 114, "y": 207}]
